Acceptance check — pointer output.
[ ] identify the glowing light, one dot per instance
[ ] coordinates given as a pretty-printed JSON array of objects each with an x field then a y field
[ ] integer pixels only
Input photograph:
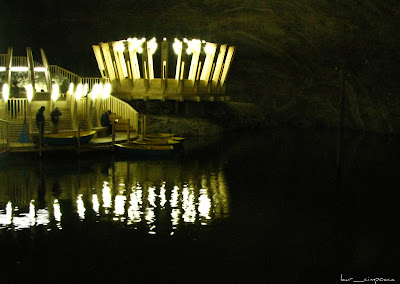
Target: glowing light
[
  {"x": 19, "y": 69},
  {"x": 57, "y": 213},
  {"x": 209, "y": 49},
  {"x": 29, "y": 92},
  {"x": 134, "y": 213},
  {"x": 2, "y": 69},
  {"x": 177, "y": 45},
  {"x": 194, "y": 46},
  {"x": 140, "y": 50},
  {"x": 204, "y": 204},
  {"x": 119, "y": 46},
  {"x": 32, "y": 212},
  {"x": 55, "y": 93},
  {"x": 152, "y": 45},
  {"x": 80, "y": 207},
  {"x": 71, "y": 88},
  {"x": 42, "y": 217},
  {"x": 106, "y": 197},
  {"x": 188, "y": 51},
  {"x": 152, "y": 196},
  {"x": 150, "y": 216},
  {"x": 6, "y": 91},
  {"x": 97, "y": 88},
  {"x": 120, "y": 205},
  {"x": 189, "y": 209},
  {"x": 106, "y": 91},
  {"x": 134, "y": 44},
  {"x": 79, "y": 92},
  {"x": 175, "y": 213},
  {"x": 164, "y": 39},
  {"x": 163, "y": 199},
  {"x": 85, "y": 89},
  {"x": 40, "y": 69},
  {"x": 96, "y": 204},
  {"x": 8, "y": 216}
]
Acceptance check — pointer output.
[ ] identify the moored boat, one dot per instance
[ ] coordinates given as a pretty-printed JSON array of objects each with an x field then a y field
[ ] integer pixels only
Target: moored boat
[
  {"x": 160, "y": 135},
  {"x": 3, "y": 154},
  {"x": 163, "y": 139},
  {"x": 146, "y": 141},
  {"x": 68, "y": 138},
  {"x": 143, "y": 150}
]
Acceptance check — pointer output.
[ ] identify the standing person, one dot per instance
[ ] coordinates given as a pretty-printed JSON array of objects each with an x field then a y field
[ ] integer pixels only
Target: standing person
[
  {"x": 105, "y": 121},
  {"x": 40, "y": 122},
  {"x": 55, "y": 117}
]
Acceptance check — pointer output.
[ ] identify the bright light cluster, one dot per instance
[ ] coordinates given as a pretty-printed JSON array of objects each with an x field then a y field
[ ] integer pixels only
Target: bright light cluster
[
  {"x": 29, "y": 92},
  {"x": 6, "y": 92},
  {"x": 55, "y": 92},
  {"x": 135, "y": 45}
]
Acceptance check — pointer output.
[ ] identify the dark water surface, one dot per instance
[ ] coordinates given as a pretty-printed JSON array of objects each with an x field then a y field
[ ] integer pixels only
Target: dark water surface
[{"x": 251, "y": 207}]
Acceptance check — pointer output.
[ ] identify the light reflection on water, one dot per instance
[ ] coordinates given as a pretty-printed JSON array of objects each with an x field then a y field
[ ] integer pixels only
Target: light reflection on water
[{"x": 157, "y": 197}]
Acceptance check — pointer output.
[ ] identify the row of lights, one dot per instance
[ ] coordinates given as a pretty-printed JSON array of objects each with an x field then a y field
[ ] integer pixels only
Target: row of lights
[
  {"x": 194, "y": 45},
  {"x": 81, "y": 90}
]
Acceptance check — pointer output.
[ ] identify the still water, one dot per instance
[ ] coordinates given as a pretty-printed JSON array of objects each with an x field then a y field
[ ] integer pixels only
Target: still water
[{"x": 249, "y": 207}]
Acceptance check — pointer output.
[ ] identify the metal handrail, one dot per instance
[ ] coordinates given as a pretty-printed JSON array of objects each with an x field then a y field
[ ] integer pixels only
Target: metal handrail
[{"x": 123, "y": 109}]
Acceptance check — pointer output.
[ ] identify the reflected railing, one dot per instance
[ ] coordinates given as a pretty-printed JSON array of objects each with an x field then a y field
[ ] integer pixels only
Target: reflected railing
[{"x": 143, "y": 195}]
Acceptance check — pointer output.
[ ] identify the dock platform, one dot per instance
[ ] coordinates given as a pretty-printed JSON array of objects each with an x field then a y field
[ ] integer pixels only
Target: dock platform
[{"x": 96, "y": 144}]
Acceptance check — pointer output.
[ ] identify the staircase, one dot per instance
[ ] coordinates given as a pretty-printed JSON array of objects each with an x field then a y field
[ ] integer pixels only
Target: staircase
[
  {"x": 65, "y": 122},
  {"x": 16, "y": 127}
]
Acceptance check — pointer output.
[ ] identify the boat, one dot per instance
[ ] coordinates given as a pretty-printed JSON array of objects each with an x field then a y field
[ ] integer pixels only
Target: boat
[
  {"x": 68, "y": 138},
  {"x": 145, "y": 141},
  {"x": 160, "y": 135},
  {"x": 162, "y": 139},
  {"x": 175, "y": 138},
  {"x": 144, "y": 150},
  {"x": 3, "y": 154}
]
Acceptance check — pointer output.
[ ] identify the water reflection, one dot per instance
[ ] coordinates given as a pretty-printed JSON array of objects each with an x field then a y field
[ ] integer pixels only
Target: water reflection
[{"x": 154, "y": 196}]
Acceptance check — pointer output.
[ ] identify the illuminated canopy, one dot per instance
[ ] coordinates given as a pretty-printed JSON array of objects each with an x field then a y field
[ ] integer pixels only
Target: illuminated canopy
[{"x": 200, "y": 67}]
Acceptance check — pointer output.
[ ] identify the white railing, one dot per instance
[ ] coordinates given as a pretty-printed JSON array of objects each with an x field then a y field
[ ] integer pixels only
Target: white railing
[
  {"x": 91, "y": 81},
  {"x": 17, "y": 108},
  {"x": 72, "y": 77},
  {"x": 121, "y": 108},
  {"x": 19, "y": 61},
  {"x": 4, "y": 135},
  {"x": 3, "y": 58},
  {"x": 76, "y": 79}
]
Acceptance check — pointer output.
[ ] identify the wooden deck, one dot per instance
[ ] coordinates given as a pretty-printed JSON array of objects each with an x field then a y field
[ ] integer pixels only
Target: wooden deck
[{"x": 96, "y": 144}]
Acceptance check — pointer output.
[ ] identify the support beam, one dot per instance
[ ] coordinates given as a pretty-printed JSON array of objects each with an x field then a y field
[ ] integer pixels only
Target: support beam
[
  {"x": 218, "y": 65},
  {"x": 100, "y": 61},
  {"x": 150, "y": 48},
  {"x": 194, "y": 46},
  {"x": 145, "y": 67},
  {"x": 8, "y": 66},
  {"x": 47, "y": 73},
  {"x": 210, "y": 50},
  {"x": 107, "y": 58},
  {"x": 164, "y": 65},
  {"x": 227, "y": 65},
  {"x": 118, "y": 53},
  {"x": 117, "y": 72},
  {"x": 31, "y": 72}
]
